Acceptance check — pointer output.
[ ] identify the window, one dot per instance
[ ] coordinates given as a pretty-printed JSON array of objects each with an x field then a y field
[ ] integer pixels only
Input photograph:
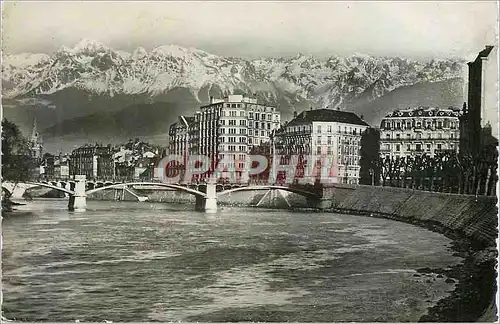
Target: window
[
  {"x": 397, "y": 136},
  {"x": 408, "y": 136},
  {"x": 263, "y": 116},
  {"x": 428, "y": 147},
  {"x": 452, "y": 136},
  {"x": 398, "y": 148},
  {"x": 233, "y": 106},
  {"x": 329, "y": 140},
  {"x": 329, "y": 150},
  {"x": 318, "y": 150},
  {"x": 261, "y": 133},
  {"x": 329, "y": 128},
  {"x": 408, "y": 147},
  {"x": 232, "y": 122},
  {"x": 250, "y": 132},
  {"x": 250, "y": 115},
  {"x": 319, "y": 129},
  {"x": 388, "y": 136},
  {"x": 243, "y": 122},
  {"x": 318, "y": 141},
  {"x": 419, "y": 147},
  {"x": 439, "y": 147},
  {"x": 242, "y": 113}
]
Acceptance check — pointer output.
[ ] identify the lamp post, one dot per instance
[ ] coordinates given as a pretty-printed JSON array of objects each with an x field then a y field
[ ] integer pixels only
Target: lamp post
[{"x": 372, "y": 174}]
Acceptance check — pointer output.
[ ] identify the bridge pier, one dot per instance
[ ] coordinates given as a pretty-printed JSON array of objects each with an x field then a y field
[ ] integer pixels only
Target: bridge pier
[
  {"x": 207, "y": 204},
  {"x": 78, "y": 202},
  {"x": 319, "y": 203}
]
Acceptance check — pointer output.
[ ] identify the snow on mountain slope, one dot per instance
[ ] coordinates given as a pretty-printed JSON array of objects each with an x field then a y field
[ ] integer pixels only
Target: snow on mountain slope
[{"x": 97, "y": 69}]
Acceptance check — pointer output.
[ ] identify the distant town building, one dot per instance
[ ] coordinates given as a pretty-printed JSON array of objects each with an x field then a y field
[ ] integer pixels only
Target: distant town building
[
  {"x": 47, "y": 165},
  {"x": 481, "y": 109},
  {"x": 61, "y": 167},
  {"x": 315, "y": 134},
  {"x": 414, "y": 131},
  {"x": 93, "y": 161}
]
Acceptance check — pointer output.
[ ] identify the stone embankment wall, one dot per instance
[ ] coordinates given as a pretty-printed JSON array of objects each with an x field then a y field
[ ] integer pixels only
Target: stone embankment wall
[{"x": 475, "y": 217}]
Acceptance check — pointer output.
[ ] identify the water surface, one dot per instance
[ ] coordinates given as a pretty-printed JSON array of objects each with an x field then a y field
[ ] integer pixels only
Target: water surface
[{"x": 127, "y": 261}]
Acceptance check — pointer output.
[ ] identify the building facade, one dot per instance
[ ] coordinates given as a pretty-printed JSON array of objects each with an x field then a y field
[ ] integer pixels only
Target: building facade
[
  {"x": 410, "y": 132},
  {"x": 61, "y": 167},
  {"x": 225, "y": 129},
  {"x": 314, "y": 135},
  {"x": 179, "y": 143},
  {"x": 93, "y": 161}
]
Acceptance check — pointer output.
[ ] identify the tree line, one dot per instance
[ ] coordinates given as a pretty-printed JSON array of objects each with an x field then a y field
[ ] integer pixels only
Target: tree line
[
  {"x": 16, "y": 157},
  {"x": 446, "y": 171}
]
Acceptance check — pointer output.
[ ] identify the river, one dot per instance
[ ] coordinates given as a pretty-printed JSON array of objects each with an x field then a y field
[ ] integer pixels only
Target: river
[{"x": 130, "y": 261}]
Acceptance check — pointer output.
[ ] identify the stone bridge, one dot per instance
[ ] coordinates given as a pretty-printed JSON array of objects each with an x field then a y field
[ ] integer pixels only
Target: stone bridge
[{"x": 206, "y": 193}]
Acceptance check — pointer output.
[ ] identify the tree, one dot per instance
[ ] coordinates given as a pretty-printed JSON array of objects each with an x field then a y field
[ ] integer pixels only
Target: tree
[{"x": 16, "y": 159}]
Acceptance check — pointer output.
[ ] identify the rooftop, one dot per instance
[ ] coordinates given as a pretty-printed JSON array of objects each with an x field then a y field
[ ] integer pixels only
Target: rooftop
[
  {"x": 327, "y": 115},
  {"x": 425, "y": 111}
]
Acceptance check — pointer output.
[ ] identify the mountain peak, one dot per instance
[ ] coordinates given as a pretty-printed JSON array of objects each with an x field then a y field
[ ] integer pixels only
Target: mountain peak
[
  {"x": 177, "y": 51},
  {"x": 89, "y": 46}
]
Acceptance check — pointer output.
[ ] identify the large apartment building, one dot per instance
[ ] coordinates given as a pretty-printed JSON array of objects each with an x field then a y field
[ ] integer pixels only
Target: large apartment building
[
  {"x": 325, "y": 133},
  {"x": 225, "y": 129},
  {"x": 415, "y": 131}
]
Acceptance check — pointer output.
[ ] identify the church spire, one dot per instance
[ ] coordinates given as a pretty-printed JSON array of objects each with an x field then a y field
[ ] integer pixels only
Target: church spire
[
  {"x": 36, "y": 141},
  {"x": 34, "y": 131}
]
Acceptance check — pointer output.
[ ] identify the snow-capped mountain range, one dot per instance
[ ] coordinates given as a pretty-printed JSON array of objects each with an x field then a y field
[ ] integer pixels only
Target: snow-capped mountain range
[
  {"x": 91, "y": 87},
  {"x": 97, "y": 69}
]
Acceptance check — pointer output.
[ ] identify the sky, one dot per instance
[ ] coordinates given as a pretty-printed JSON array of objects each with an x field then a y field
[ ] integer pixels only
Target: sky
[{"x": 256, "y": 29}]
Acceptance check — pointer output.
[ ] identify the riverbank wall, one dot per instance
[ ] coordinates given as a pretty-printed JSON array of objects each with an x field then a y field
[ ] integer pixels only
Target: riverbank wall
[{"x": 473, "y": 217}]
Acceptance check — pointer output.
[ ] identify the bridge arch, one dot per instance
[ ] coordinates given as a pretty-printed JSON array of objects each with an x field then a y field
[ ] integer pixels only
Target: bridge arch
[
  {"x": 298, "y": 191},
  {"x": 46, "y": 185},
  {"x": 158, "y": 184}
]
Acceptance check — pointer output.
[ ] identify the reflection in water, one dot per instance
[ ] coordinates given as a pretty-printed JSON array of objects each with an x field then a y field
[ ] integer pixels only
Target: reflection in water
[{"x": 125, "y": 261}]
